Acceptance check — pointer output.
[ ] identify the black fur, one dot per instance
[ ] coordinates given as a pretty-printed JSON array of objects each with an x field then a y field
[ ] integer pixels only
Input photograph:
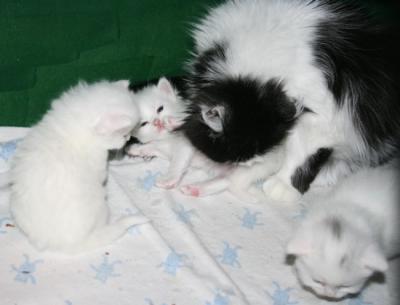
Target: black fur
[
  {"x": 305, "y": 174},
  {"x": 361, "y": 59},
  {"x": 257, "y": 117}
]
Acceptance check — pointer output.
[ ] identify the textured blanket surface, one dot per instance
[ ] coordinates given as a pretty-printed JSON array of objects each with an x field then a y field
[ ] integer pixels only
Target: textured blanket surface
[{"x": 215, "y": 250}]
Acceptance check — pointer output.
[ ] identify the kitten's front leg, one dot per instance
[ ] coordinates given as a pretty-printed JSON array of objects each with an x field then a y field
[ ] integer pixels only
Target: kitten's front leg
[
  {"x": 206, "y": 188},
  {"x": 145, "y": 151},
  {"x": 302, "y": 146},
  {"x": 179, "y": 164}
]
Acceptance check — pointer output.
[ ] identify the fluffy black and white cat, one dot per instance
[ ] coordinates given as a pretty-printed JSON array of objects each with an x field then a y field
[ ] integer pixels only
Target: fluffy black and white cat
[{"x": 295, "y": 75}]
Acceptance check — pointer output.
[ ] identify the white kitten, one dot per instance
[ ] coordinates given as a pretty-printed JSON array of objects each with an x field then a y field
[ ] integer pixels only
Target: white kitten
[
  {"x": 162, "y": 111},
  {"x": 349, "y": 236},
  {"x": 59, "y": 171}
]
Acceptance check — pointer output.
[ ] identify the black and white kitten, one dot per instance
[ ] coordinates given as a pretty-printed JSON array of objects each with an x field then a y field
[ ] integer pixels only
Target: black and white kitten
[{"x": 296, "y": 75}]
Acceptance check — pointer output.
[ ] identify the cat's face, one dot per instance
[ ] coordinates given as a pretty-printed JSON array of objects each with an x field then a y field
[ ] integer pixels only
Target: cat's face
[
  {"x": 115, "y": 113},
  {"x": 333, "y": 259},
  {"x": 235, "y": 119},
  {"x": 161, "y": 112}
]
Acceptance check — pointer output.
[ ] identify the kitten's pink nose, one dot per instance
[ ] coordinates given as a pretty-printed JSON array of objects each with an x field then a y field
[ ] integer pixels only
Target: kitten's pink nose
[{"x": 159, "y": 124}]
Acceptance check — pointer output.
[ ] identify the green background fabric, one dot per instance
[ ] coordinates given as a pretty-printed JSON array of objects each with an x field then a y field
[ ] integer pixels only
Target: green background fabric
[{"x": 48, "y": 45}]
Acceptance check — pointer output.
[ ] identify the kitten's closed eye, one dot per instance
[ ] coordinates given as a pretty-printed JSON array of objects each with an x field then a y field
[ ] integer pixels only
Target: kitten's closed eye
[
  {"x": 144, "y": 124},
  {"x": 159, "y": 109}
]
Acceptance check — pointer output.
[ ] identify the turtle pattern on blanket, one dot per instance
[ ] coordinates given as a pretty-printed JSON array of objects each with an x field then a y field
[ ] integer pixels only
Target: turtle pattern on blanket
[{"x": 214, "y": 250}]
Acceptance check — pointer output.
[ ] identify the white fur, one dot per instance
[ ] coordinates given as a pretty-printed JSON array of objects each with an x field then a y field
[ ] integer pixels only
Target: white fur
[
  {"x": 59, "y": 171},
  {"x": 173, "y": 146},
  {"x": 281, "y": 32},
  {"x": 367, "y": 206}
]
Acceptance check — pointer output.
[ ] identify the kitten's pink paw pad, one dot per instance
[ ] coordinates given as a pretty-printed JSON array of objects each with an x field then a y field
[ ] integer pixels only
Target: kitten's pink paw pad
[
  {"x": 166, "y": 183},
  {"x": 190, "y": 190}
]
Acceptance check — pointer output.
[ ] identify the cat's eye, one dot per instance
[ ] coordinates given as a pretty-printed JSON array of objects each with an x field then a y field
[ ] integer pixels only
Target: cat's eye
[
  {"x": 144, "y": 124},
  {"x": 159, "y": 109}
]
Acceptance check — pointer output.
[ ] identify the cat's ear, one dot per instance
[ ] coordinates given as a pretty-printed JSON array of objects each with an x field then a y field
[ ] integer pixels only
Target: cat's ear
[
  {"x": 299, "y": 245},
  {"x": 213, "y": 117},
  {"x": 114, "y": 124},
  {"x": 374, "y": 259},
  {"x": 165, "y": 87},
  {"x": 123, "y": 83}
]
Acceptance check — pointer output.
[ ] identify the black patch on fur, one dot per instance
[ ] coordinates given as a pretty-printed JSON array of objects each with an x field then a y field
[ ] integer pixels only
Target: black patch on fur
[
  {"x": 258, "y": 116},
  {"x": 205, "y": 61},
  {"x": 306, "y": 173},
  {"x": 360, "y": 57}
]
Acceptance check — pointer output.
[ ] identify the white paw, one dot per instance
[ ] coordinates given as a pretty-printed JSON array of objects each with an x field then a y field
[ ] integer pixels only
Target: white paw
[
  {"x": 167, "y": 183},
  {"x": 136, "y": 151},
  {"x": 190, "y": 190},
  {"x": 278, "y": 190}
]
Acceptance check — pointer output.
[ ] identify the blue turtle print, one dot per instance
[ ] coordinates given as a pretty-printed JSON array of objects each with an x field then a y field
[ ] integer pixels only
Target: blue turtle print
[
  {"x": 280, "y": 296},
  {"x": 148, "y": 181},
  {"x": 25, "y": 272},
  {"x": 219, "y": 299},
  {"x": 105, "y": 270},
  {"x": 358, "y": 301},
  {"x": 150, "y": 302},
  {"x": 7, "y": 149},
  {"x": 3, "y": 222},
  {"x": 249, "y": 219},
  {"x": 229, "y": 255},
  {"x": 184, "y": 215},
  {"x": 67, "y": 302},
  {"x": 173, "y": 262}
]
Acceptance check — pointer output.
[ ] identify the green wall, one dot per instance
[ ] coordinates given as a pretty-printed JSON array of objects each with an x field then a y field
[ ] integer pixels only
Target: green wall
[{"x": 48, "y": 45}]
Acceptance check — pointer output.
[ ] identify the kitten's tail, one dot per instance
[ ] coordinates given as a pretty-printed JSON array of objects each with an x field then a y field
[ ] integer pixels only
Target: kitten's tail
[{"x": 109, "y": 233}]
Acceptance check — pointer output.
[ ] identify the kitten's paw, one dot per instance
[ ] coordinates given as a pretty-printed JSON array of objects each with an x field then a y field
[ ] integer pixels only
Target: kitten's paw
[
  {"x": 140, "y": 152},
  {"x": 278, "y": 190},
  {"x": 171, "y": 123},
  {"x": 190, "y": 190},
  {"x": 167, "y": 183}
]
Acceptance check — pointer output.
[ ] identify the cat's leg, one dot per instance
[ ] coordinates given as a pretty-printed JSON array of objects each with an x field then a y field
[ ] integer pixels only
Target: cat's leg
[
  {"x": 146, "y": 151},
  {"x": 179, "y": 164},
  {"x": 244, "y": 176},
  {"x": 206, "y": 188},
  {"x": 304, "y": 141}
]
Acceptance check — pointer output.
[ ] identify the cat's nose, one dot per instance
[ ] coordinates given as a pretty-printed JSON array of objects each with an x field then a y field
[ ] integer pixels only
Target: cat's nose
[{"x": 158, "y": 123}]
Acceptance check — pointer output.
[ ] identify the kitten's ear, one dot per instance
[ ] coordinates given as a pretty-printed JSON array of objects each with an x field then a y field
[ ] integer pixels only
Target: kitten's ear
[
  {"x": 374, "y": 259},
  {"x": 123, "y": 83},
  {"x": 213, "y": 117},
  {"x": 114, "y": 124},
  {"x": 299, "y": 245},
  {"x": 165, "y": 87}
]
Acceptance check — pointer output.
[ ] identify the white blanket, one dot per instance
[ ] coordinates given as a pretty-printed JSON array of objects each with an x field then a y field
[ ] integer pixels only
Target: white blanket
[{"x": 205, "y": 251}]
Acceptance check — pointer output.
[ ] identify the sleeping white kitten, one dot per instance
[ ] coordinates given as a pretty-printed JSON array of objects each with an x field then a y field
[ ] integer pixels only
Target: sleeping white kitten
[
  {"x": 349, "y": 233},
  {"x": 162, "y": 111},
  {"x": 60, "y": 168}
]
